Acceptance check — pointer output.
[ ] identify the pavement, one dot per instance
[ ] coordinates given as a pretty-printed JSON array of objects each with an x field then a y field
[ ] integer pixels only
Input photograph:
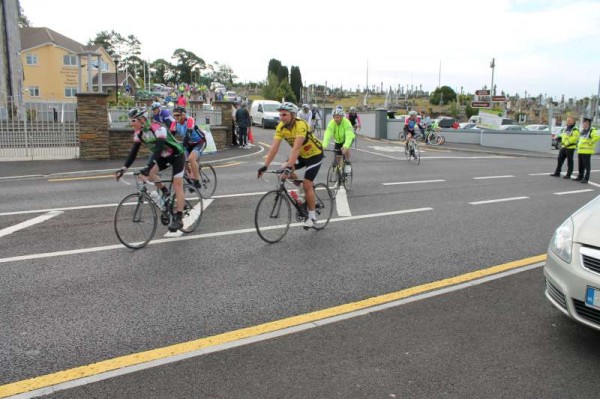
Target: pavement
[{"x": 55, "y": 168}]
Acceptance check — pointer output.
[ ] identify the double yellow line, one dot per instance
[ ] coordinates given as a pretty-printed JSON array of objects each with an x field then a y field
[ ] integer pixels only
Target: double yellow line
[{"x": 203, "y": 343}]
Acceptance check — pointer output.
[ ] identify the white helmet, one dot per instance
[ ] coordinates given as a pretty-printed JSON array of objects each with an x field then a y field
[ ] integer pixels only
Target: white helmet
[
  {"x": 155, "y": 105},
  {"x": 290, "y": 107},
  {"x": 412, "y": 113},
  {"x": 338, "y": 111}
]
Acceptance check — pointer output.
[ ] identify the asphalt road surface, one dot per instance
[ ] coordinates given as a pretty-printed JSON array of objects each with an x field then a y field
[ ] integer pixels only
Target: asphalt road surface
[{"x": 221, "y": 314}]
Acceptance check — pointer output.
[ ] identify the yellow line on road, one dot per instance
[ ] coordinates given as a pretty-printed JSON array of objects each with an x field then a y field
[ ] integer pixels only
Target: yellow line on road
[
  {"x": 81, "y": 178},
  {"x": 265, "y": 144},
  {"x": 186, "y": 347}
]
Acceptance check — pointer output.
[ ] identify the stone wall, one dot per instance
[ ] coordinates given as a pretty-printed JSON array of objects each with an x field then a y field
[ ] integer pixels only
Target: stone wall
[
  {"x": 121, "y": 141},
  {"x": 92, "y": 115},
  {"x": 226, "y": 107}
]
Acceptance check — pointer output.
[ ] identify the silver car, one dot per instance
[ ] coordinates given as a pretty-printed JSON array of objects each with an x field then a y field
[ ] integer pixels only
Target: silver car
[{"x": 572, "y": 267}]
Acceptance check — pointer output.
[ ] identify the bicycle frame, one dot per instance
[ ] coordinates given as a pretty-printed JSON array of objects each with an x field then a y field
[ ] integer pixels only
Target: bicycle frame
[{"x": 302, "y": 211}]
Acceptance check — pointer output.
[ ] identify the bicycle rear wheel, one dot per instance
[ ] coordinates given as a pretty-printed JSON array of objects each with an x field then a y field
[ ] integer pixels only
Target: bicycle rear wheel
[
  {"x": 318, "y": 132},
  {"x": 273, "y": 216},
  {"x": 402, "y": 136},
  {"x": 323, "y": 205},
  {"x": 135, "y": 220},
  {"x": 208, "y": 180},
  {"x": 417, "y": 154},
  {"x": 192, "y": 210},
  {"x": 333, "y": 179}
]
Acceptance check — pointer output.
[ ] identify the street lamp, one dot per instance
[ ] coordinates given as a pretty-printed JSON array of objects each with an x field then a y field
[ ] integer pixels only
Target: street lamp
[{"x": 116, "y": 59}]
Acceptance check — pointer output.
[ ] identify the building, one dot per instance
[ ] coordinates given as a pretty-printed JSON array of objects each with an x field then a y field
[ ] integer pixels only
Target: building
[{"x": 56, "y": 67}]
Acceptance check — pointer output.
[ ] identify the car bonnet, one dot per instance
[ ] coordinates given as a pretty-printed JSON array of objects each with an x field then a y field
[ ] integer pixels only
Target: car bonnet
[{"x": 587, "y": 224}]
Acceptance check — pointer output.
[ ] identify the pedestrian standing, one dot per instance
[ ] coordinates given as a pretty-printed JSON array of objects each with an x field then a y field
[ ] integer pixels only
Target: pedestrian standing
[
  {"x": 585, "y": 148},
  {"x": 242, "y": 119},
  {"x": 568, "y": 138}
]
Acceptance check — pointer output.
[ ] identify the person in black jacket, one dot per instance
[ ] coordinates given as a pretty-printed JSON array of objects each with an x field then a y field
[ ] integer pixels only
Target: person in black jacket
[{"x": 242, "y": 119}]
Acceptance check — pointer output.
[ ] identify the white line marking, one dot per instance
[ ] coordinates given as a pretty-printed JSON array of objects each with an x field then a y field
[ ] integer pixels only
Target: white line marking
[
  {"x": 492, "y": 177},
  {"x": 540, "y": 174},
  {"x": 270, "y": 335},
  {"x": 341, "y": 203},
  {"x": 498, "y": 200},
  {"x": 574, "y": 192},
  {"x": 72, "y": 208},
  {"x": 413, "y": 182},
  {"x": 593, "y": 184},
  {"x": 196, "y": 237},
  {"x": 28, "y": 223},
  {"x": 240, "y": 195},
  {"x": 179, "y": 233},
  {"x": 483, "y": 157}
]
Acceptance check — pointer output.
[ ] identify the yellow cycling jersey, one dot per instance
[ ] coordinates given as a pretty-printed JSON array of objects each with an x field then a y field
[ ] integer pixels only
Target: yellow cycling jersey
[{"x": 311, "y": 146}]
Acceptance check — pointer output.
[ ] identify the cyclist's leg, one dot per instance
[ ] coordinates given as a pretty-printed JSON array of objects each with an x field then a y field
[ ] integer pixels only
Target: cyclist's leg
[
  {"x": 178, "y": 167},
  {"x": 193, "y": 165},
  {"x": 313, "y": 165}
]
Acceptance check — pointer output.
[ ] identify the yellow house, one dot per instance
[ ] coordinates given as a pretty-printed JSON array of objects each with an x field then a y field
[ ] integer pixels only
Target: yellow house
[{"x": 56, "y": 67}]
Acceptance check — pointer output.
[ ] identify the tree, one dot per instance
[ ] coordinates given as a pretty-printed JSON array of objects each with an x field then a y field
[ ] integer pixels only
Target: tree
[
  {"x": 274, "y": 90},
  {"x": 274, "y": 66},
  {"x": 283, "y": 74},
  {"x": 186, "y": 62},
  {"x": 296, "y": 82},
  {"x": 444, "y": 93},
  {"x": 23, "y": 21},
  {"x": 454, "y": 109},
  {"x": 162, "y": 69},
  {"x": 127, "y": 47},
  {"x": 470, "y": 111}
]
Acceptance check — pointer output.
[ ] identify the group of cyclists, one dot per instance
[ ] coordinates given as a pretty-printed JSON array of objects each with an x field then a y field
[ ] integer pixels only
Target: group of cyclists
[{"x": 296, "y": 128}]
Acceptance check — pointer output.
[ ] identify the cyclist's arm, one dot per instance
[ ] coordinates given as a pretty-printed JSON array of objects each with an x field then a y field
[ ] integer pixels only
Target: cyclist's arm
[
  {"x": 298, "y": 143},
  {"x": 132, "y": 154},
  {"x": 273, "y": 151},
  {"x": 328, "y": 133},
  {"x": 348, "y": 135},
  {"x": 358, "y": 121}
]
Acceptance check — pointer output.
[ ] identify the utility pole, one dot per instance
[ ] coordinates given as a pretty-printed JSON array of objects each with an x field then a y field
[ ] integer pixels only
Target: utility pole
[{"x": 493, "y": 65}]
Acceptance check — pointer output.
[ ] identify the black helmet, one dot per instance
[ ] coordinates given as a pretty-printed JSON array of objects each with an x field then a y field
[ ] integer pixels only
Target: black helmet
[
  {"x": 181, "y": 110},
  {"x": 135, "y": 113},
  {"x": 587, "y": 118}
]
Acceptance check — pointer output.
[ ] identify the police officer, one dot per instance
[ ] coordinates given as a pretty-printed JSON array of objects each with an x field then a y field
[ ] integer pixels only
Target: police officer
[
  {"x": 568, "y": 138},
  {"x": 585, "y": 148}
]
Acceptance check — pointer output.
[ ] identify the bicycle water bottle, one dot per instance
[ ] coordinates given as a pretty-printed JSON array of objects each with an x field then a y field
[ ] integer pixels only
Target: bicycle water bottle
[
  {"x": 156, "y": 198},
  {"x": 296, "y": 198}
]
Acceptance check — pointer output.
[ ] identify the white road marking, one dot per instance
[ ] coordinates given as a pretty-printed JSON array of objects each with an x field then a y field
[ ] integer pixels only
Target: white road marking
[
  {"x": 498, "y": 200},
  {"x": 341, "y": 203},
  {"x": 492, "y": 177},
  {"x": 179, "y": 233},
  {"x": 574, "y": 192},
  {"x": 482, "y": 157},
  {"x": 540, "y": 174},
  {"x": 196, "y": 237},
  {"x": 593, "y": 184},
  {"x": 28, "y": 223},
  {"x": 413, "y": 182}
]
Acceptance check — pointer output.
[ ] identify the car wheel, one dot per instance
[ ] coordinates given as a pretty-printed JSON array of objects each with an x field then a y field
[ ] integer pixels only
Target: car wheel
[{"x": 262, "y": 124}]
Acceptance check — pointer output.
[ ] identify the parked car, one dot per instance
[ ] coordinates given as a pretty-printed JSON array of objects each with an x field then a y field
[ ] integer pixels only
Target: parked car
[
  {"x": 537, "y": 127},
  {"x": 264, "y": 113},
  {"x": 445, "y": 122},
  {"x": 230, "y": 96},
  {"x": 556, "y": 140},
  {"x": 513, "y": 128},
  {"x": 572, "y": 268}
]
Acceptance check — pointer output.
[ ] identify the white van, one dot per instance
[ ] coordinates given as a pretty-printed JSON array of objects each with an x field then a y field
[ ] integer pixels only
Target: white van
[{"x": 264, "y": 113}]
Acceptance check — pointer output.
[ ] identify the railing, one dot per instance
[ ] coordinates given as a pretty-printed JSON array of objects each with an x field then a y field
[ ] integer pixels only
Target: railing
[{"x": 117, "y": 116}]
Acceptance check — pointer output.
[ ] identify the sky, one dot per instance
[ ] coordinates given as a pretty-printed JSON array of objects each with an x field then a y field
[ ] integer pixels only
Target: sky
[{"x": 548, "y": 47}]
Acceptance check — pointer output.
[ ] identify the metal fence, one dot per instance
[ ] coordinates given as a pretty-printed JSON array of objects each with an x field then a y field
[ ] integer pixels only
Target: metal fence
[
  {"x": 38, "y": 130},
  {"x": 118, "y": 115}
]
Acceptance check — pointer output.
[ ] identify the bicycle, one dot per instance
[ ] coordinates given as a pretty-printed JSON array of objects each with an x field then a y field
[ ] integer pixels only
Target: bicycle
[
  {"x": 136, "y": 216},
  {"x": 317, "y": 130},
  {"x": 273, "y": 215},
  {"x": 412, "y": 150},
  {"x": 208, "y": 178},
  {"x": 432, "y": 137},
  {"x": 336, "y": 174}
]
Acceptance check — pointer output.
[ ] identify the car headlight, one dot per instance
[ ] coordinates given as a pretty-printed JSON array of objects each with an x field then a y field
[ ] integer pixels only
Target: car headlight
[{"x": 562, "y": 241}]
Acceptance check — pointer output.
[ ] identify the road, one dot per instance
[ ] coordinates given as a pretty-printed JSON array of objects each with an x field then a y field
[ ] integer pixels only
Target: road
[{"x": 73, "y": 297}]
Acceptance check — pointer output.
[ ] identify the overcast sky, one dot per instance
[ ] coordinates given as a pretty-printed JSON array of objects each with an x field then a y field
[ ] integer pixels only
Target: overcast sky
[{"x": 541, "y": 46}]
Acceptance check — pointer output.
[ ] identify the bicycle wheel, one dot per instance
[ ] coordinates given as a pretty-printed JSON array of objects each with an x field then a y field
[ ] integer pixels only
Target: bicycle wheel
[
  {"x": 323, "y": 205},
  {"x": 347, "y": 179},
  {"x": 402, "y": 136},
  {"x": 407, "y": 148},
  {"x": 443, "y": 139},
  {"x": 273, "y": 216},
  {"x": 333, "y": 179},
  {"x": 417, "y": 154},
  {"x": 192, "y": 209},
  {"x": 208, "y": 180},
  {"x": 135, "y": 220},
  {"x": 318, "y": 132}
]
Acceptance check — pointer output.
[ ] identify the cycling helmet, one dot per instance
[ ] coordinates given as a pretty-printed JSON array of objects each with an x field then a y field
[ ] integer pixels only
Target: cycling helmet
[
  {"x": 180, "y": 110},
  {"x": 412, "y": 113},
  {"x": 155, "y": 105},
  {"x": 290, "y": 107},
  {"x": 305, "y": 107},
  {"x": 352, "y": 109},
  {"x": 338, "y": 111},
  {"x": 315, "y": 106},
  {"x": 244, "y": 104},
  {"x": 136, "y": 113}
]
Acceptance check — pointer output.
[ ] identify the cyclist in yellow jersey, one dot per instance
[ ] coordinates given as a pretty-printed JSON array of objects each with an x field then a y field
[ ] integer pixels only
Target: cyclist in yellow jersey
[{"x": 306, "y": 151}]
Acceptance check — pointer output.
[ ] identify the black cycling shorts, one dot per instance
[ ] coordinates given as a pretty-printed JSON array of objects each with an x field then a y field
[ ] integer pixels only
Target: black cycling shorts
[
  {"x": 178, "y": 163},
  {"x": 338, "y": 147},
  {"x": 313, "y": 164}
]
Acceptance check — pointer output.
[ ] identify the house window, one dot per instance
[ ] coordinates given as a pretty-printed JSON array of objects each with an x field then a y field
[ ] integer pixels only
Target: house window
[
  {"x": 70, "y": 91},
  {"x": 70, "y": 60},
  {"x": 31, "y": 59},
  {"x": 104, "y": 66},
  {"x": 34, "y": 91}
]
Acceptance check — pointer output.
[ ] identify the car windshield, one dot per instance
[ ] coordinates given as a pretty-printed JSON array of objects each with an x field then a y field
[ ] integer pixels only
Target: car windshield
[{"x": 270, "y": 107}]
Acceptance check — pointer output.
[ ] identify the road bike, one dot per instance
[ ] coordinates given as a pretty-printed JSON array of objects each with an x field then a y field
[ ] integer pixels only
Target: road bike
[
  {"x": 336, "y": 174},
  {"x": 432, "y": 137},
  {"x": 273, "y": 215},
  {"x": 208, "y": 178},
  {"x": 411, "y": 150},
  {"x": 317, "y": 130},
  {"x": 136, "y": 216}
]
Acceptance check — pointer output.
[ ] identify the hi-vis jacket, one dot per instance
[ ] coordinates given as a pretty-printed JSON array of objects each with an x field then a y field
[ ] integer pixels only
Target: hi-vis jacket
[{"x": 587, "y": 141}]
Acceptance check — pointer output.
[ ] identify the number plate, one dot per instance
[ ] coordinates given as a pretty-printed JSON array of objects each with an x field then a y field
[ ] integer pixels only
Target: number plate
[{"x": 592, "y": 297}]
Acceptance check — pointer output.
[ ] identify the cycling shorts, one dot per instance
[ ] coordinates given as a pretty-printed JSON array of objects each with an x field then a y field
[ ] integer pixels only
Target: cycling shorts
[
  {"x": 338, "y": 147},
  {"x": 313, "y": 164},
  {"x": 178, "y": 163},
  {"x": 198, "y": 148}
]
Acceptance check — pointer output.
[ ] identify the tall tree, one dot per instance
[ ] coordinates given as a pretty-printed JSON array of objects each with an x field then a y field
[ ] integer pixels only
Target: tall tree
[
  {"x": 186, "y": 62},
  {"x": 23, "y": 20},
  {"x": 127, "y": 47},
  {"x": 296, "y": 81},
  {"x": 161, "y": 69},
  {"x": 283, "y": 74},
  {"x": 443, "y": 94},
  {"x": 274, "y": 66}
]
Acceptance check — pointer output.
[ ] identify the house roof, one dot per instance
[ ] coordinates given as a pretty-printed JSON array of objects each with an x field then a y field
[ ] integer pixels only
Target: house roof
[
  {"x": 36, "y": 37},
  {"x": 108, "y": 79}
]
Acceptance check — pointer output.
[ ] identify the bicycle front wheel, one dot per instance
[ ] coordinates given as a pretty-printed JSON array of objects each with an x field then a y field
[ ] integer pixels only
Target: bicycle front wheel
[
  {"x": 208, "y": 180},
  {"x": 333, "y": 179},
  {"x": 417, "y": 154},
  {"x": 348, "y": 179},
  {"x": 323, "y": 205},
  {"x": 402, "y": 136},
  {"x": 407, "y": 148},
  {"x": 135, "y": 220},
  {"x": 273, "y": 216},
  {"x": 192, "y": 209},
  {"x": 318, "y": 131}
]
